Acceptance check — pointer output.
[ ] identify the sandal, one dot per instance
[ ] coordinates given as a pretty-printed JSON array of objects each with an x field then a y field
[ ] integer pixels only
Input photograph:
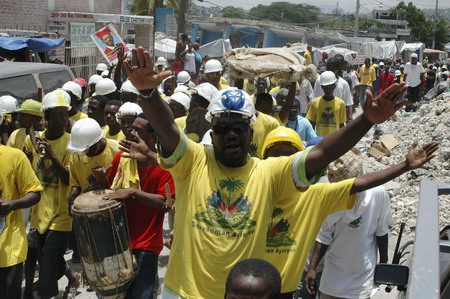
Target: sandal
[{"x": 71, "y": 289}]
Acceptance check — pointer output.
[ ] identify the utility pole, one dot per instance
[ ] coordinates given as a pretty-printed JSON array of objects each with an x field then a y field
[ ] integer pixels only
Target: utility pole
[
  {"x": 355, "y": 34},
  {"x": 182, "y": 9},
  {"x": 434, "y": 25}
]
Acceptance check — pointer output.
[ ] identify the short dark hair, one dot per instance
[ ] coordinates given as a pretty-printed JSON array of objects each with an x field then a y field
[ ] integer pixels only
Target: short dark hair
[
  {"x": 101, "y": 99},
  {"x": 335, "y": 63},
  {"x": 149, "y": 126},
  {"x": 114, "y": 103},
  {"x": 257, "y": 268}
]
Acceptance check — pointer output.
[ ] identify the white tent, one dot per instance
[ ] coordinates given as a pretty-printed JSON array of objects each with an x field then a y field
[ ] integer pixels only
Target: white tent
[
  {"x": 333, "y": 51},
  {"x": 166, "y": 48},
  {"x": 215, "y": 49},
  {"x": 410, "y": 48},
  {"x": 447, "y": 47}
]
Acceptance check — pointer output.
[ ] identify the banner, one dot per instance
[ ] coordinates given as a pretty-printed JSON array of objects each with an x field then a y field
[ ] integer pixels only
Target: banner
[
  {"x": 109, "y": 42},
  {"x": 80, "y": 39}
]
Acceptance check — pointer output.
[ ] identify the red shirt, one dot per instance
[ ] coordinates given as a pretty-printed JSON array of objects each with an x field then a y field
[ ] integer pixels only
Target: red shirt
[
  {"x": 386, "y": 80},
  {"x": 145, "y": 223}
]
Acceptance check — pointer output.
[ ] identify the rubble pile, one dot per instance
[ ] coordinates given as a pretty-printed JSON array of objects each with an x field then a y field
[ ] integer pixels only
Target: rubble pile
[{"x": 431, "y": 122}]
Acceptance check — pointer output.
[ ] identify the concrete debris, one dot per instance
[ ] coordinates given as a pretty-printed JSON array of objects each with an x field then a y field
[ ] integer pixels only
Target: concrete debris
[{"x": 431, "y": 122}]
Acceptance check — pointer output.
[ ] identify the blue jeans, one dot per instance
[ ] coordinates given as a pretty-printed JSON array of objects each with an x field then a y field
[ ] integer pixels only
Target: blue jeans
[
  {"x": 52, "y": 263},
  {"x": 147, "y": 266},
  {"x": 362, "y": 95}
]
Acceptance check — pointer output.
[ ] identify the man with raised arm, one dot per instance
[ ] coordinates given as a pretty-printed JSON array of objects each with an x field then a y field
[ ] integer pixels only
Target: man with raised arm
[{"x": 227, "y": 197}]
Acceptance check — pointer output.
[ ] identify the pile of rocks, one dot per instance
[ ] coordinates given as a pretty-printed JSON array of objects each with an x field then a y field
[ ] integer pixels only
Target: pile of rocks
[{"x": 431, "y": 122}]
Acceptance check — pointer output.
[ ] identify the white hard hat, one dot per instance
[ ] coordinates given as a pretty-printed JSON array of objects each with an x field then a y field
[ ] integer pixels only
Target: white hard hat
[
  {"x": 105, "y": 74},
  {"x": 56, "y": 98},
  {"x": 327, "y": 78},
  {"x": 446, "y": 73},
  {"x": 414, "y": 55},
  {"x": 444, "y": 67},
  {"x": 232, "y": 100},
  {"x": 85, "y": 133},
  {"x": 73, "y": 88},
  {"x": 128, "y": 108},
  {"x": 8, "y": 104},
  {"x": 381, "y": 63},
  {"x": 397, "y": 73},
  {"x": 212, "y": 66},
  {"x": 101, "y": 67},
  {"x": 105, "y": 86},
  {"x": 127, "y": 86},
  {"x": 207, "y": 90},
  {"x": 183, "y": 77},
  {"x": 94, "y": 79},
  {"x": 182, "y": 98},
  {"x": 161, "y": 61}
]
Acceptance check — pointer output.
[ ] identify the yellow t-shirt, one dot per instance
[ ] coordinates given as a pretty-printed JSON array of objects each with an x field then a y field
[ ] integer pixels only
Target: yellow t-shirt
[
  {"x": 295, "y": 223},
  {"x": 308, "y": 58},
  {"x": 17, "y": 138},
  {"x": 223, "y": 84},
  {"x": 249, "y": 87},
  {"x": 224, "y": 218},
  {"x": 81, "y": 167},
  {"x": 367, "y": 76},
  {"x": 77, "y": 116},
  {"x": 52, "y": 211},
  {"x": 328, "y": 115},
  {"x": 119, "y": 136},
  {"x": 181, "y": 122},
  {"x": 263, "y": 126},
  {"x": 16, "y": 179}
]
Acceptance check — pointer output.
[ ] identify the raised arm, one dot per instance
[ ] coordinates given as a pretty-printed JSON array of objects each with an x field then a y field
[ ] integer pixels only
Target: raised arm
[
  {"x": 284, "y": 112},
  {"x": 338, "y": 143},
  {"x": 415, "y": 158},
  {"x": 142, "y": 75}
]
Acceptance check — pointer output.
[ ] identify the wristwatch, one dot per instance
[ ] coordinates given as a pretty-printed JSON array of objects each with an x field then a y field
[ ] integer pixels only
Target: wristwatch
[{"x": 147, "y": 93}]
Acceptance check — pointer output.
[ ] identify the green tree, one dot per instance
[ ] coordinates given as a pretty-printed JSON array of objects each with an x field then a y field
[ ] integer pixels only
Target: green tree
[
  {"x": 367, "y": 23},
  {"x": 286, "y": 12},
  {"x": 421, "y": 28},
  {"x": 141, "y": 7},
  {"x": 234, "y": 12},
  {"x": 441, "y": 34}
]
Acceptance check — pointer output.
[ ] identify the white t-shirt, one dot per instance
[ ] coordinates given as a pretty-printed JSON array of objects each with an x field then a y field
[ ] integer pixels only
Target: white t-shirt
[
  {"x": 306, "y": 90},
  {"x": 413, "y": 72},
  {"x": 341, "y": 91},
  {"x": 352, "y": 254},
  {"x": 189, "y": 65}
]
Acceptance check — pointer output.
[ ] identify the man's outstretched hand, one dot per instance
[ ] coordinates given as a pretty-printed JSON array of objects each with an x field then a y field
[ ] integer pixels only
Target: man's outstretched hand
[
  {"x": 141, "y": 73},
  {"x": 379, "y": 110},
  {"x": 417, "y": 157}
]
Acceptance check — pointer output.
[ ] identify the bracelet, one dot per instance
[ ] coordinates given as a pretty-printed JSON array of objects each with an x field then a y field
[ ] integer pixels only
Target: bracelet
[{"x": 147, "y": 93}]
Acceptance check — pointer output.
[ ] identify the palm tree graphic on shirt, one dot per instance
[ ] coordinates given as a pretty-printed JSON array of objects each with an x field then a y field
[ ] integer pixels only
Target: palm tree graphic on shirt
[
  {"x": 278, "y": 231},
  {"x": 227, "y": 207}
]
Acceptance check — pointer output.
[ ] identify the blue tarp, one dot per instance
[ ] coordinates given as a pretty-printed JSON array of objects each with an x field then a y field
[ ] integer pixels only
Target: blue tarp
[{"x": 35, "y": 44}]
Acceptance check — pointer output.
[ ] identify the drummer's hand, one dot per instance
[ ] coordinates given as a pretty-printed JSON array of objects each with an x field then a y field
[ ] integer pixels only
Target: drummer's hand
[
  {"x": 6, "y": 207},
  {"x": 101, "y": 175},
  {"x": 120, "y": 194},
  {"x": 141, "y": 73}
]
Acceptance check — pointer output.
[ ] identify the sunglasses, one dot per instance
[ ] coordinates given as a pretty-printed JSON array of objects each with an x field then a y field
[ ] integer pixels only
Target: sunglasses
[{"x": 239, "y": 128}]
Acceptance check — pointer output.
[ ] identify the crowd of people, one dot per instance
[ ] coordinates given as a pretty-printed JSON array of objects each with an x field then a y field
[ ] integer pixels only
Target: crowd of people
[{"x": 263, "y": 171}]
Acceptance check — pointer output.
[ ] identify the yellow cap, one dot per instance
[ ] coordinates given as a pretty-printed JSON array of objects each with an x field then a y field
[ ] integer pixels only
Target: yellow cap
[
  {"x": 31, "y": 107},
  {"x": 282, "y": 135}
]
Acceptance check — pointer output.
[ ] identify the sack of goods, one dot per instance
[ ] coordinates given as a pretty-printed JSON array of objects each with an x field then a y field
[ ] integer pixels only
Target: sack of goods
[{"x": 281, "y": 63}]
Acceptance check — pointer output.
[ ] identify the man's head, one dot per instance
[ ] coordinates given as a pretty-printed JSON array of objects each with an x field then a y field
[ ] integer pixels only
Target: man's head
[
  {"x": 30, "y": 114},
  {"x": 253, "y": 278},
  {"x": 106, "y": 87},
  {"x": 281, "y": 141},
  {"x": 335, "y": 64},
  {"x": 179, "y": 103},
  {"x": 281, "y": 96},
  {"x": 105, "y": 36},
  {"x": 111, "y": 108},
  {"x": 125, "y": 117},
  {"x": 75, "y": 92},
  {"x": 264, "y": 103},
  {"x": 367, "y": 62},
  {"x": 231, "y": 113},
  {"x": 295, "y": 110},
  {"x": 96, "y": 108},
  {"x": 86, "y": 135},
  {"x": 56, "y": 106},
  {"x": 261, "y": 84},
  {"x": 386, "y": 68},
  {"x": 204, "y": 94},
  {"x": 213, "y": 72},
  {"x": 184, "y": 37},
  {"x": 99, "y": 69},
  {"x": 144, "y": 130},
  {"x": 328, "y": 83},
  {"x": 401, "y": 68},
  {"x": 92, "y": 82},
  {"x": 414, "y": 57},
  {"x": 309, "y": 48},
  {"x": 129, "y": 93}
]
